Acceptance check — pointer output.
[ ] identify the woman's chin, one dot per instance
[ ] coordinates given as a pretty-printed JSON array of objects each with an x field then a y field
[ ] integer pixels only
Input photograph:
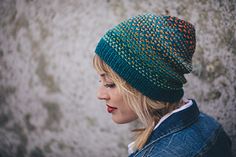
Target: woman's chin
[{"x": 122, "y": 120}]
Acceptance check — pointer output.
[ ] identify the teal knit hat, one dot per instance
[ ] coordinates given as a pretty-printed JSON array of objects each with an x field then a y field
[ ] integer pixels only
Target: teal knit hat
[{"x": 152, "y": 53}]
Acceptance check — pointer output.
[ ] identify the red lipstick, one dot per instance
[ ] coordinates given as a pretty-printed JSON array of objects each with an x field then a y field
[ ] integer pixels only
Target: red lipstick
[{"x": 110, "y": 109}]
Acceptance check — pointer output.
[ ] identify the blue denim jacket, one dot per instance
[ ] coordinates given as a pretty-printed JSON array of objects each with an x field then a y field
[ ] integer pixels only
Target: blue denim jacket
[{"x": 188, "y": 133}]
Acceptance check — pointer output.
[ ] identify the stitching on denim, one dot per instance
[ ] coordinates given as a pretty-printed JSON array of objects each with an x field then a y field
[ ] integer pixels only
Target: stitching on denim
[
  {"x": 150, "y": 150},
  {"x": 176, "y": 129},
  {"x": 171, "y": 131}
]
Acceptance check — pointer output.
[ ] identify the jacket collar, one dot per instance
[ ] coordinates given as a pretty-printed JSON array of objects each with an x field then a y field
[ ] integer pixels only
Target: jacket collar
[{"x": 176, "y": 122}]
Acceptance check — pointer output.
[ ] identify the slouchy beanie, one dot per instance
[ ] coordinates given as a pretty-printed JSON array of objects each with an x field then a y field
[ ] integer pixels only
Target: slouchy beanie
[{"x": 152, "y": 53}]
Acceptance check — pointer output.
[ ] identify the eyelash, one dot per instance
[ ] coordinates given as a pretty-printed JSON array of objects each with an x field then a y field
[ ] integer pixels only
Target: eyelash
[{"x": 112, "y": 85}]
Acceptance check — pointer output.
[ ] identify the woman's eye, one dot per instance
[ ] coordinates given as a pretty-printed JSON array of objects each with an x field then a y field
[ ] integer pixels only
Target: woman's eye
[{"x": 110, "y": 85}]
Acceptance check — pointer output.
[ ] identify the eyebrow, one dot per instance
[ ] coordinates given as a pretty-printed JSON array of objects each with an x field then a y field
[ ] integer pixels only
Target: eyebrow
[{"x": 103, "y": 74}]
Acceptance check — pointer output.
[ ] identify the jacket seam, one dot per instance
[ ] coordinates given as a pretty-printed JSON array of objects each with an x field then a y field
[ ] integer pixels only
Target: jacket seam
[{"x": 165, "y": 135}]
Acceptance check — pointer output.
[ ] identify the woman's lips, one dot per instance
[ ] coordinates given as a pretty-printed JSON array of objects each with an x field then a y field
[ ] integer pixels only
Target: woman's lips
[{"x": 110, "y": 109}]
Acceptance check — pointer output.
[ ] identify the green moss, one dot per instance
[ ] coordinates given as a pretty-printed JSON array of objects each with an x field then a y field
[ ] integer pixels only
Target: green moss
[
  {"x": 203, "y": 22},
  {"x": 45, "y": 78},
  {"x": 6, "y": 91},
  {"x": 208, "y": 71},
  {"x": 121, "y": 143},
  {"x": 4, "y": 118},
  {"x": 91, "y": 121},
  {"x": 203, "y": 2},
  {"x": 44, "y": 32},
  {"x": 8, "y": 13},
  {"x": 29, "y": 126},
  {"x": 233, "y": 46},
  {"x": 21, "y": 22},
  {"x": 37, "y": 152},
  {"x": 137, "y": 6},
  {"x": 118, "y": 8},
  {"x": 29, "y": 1},
  {"x": 1, "y": 53},
  {"x": 21, "y": 147},
  {"x": 182, "y": 10},
  {"x": 47, "y": 146},
  {"x": 54, "y": 116},
  {"x": 5, "y": 113},
  {"x": 63, "y": 146},
  {"x": 198, "y": 61},
  {"x": 213, "y": 95},
  {"x": 226, "y": 36},
  {"x": 217, "y": 18},
  {"x": 18, "y": 129},
  {"x": 215, "y": 69}
]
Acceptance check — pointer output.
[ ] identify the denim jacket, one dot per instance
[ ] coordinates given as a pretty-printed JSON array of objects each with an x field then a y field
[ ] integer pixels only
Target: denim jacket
[{"x": 187, "y": 133}]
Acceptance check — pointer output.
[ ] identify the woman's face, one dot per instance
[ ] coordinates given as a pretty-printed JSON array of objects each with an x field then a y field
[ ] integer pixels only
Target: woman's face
[{"x": 108, "y": 91}]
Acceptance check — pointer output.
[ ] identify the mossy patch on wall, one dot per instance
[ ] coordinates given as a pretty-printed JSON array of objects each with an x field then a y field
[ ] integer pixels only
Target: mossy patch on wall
[
  {"x": 46, "y": 79},
  {"x": 54, "y": 117},
  {"x": 36, "y": 152}
]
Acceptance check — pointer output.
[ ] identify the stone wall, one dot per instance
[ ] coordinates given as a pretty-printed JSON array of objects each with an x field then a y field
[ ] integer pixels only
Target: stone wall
[{"x": 48, "y": 105}]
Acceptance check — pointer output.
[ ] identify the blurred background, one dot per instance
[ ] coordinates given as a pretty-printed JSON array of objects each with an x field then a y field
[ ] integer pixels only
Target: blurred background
[{"x": 48, "y": 105}]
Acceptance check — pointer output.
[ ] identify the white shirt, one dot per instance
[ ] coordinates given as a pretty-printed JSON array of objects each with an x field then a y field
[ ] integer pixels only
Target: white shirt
[{"x": 187, "y": 104}]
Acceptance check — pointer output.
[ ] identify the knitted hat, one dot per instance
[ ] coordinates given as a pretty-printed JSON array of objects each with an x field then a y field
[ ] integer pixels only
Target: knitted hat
[{"x": 152, "y": 53}]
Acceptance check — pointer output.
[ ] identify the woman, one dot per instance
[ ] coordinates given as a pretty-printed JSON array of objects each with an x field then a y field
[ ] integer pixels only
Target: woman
[{"x": 141, "y": 65}]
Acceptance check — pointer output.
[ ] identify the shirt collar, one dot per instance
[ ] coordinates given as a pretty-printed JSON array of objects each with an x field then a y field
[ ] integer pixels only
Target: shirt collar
[{"x": 186, "y": 105}]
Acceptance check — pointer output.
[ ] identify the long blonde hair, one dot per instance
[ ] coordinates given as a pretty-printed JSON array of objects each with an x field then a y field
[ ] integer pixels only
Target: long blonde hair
[{"x": 148, "y": 111}]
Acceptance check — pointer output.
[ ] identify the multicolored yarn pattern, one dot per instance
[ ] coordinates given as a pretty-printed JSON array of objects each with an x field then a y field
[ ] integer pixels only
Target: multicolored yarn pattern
[{"x": 152, "y": 53}]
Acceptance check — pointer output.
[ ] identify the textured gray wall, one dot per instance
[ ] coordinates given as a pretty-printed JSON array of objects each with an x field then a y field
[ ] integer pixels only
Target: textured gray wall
[{"x": 48, "y": 105}]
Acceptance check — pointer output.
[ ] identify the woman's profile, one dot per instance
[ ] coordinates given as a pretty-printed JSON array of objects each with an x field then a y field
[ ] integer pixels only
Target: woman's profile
[{"x": 141, "y": 64}]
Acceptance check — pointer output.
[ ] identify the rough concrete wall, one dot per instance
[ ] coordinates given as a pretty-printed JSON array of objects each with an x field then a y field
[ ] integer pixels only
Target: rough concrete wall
[{"x": 48, "y": 106}]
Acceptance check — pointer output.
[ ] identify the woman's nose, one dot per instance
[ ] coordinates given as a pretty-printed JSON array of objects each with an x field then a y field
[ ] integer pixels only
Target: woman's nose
[{"x": 102, "y": 93}]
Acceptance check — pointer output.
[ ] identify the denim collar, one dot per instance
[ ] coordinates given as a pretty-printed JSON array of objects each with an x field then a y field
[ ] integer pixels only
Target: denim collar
[{"x": 175, "y": 123}]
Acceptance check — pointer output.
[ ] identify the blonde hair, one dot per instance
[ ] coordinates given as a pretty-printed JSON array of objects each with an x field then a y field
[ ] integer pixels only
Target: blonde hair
[{"x": 148, "y": 111}]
